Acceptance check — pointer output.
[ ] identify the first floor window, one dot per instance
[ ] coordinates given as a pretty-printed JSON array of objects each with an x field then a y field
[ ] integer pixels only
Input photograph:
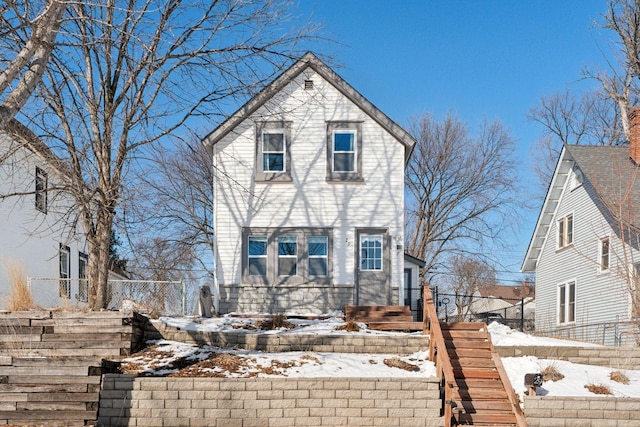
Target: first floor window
[
  {"x": 65, "y": 268},
  {"x": 371, "y": 252},
  {"x": 565, "y": 231},
  {"x": 317, "y": 248},
  {"x": 287, "y": 255},
  {"x": 257, "y": 255},
  {"x": 567, "y": 302},
  {"x": 41, "y": 190},
  {"x": 83, "y": 288},
  {"x": 604, "y": 254}
]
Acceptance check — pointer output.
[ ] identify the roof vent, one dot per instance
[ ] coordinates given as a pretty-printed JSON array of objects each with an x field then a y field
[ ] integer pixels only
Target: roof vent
[{"x": 308, "y": 84}]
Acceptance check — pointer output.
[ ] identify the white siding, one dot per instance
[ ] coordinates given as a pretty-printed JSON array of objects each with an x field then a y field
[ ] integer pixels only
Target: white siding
[
  {"x": 309, "y": 200},
  {"x": 600, "y": 296},
  {"x": 31, "y": 238}
]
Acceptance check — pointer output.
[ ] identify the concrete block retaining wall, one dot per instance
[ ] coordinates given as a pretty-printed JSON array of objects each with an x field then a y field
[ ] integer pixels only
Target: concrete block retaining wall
[
  {"x": 355, "y": 343},
  {"x": 126, "y": 400},
  {"x": 613, "y": 357},
  {"x": 558, "y": 411}
]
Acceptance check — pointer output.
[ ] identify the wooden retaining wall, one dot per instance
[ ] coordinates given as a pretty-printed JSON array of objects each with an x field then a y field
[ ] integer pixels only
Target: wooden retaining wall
[{"x": 50, "y": 364}]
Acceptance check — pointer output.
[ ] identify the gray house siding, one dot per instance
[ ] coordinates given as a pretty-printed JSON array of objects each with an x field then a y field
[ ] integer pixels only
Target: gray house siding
[{"x": 601, "y": 297}]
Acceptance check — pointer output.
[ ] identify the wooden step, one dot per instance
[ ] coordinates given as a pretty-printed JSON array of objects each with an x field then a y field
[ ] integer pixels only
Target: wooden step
[
  {"x": 473, "y": 383},
  {"x": 475, "y": 373},
  {"x": 478, "y": 394},
  {"x": 469, "y": 352},
  {"x": 487, "y": 418},
  {"x": 464, "y": 334},
  {"x": 475, "y": 405},
  {"x": 470, "y": 362},
  {"x": 465, "y": 326},
  {"x": 396, "y": 326}
]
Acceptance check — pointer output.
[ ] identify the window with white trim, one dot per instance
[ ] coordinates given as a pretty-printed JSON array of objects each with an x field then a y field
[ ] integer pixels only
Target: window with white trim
[
  {"x": 565, "y": 231},
  {"x": 567, "y": 302},
  {"x": 257, "y": 256},
  {"x": 344, "y": 151},
  {"x": 604, "y": 254},
  {"x": 273, "y": 151},
  {"x": 371, "y": 252},
  {"x": 287, "y": 256},
  {"x": 41, "y": 190},
  {"x": 318, "y": 250},
  {"x": 65, "y": 269}
]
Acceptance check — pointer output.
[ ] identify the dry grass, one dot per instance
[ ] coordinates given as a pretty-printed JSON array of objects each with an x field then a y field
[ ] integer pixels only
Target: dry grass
[
  {"x": 401, "y": 364},
  {"x": 350, "y": 325},
  {"x": 278, "y": 321},
  {"x": 551, "y": 373},
  {"x": 598, "y": 389},
  {"x": 619, "y": 377},
  {"x": 19, "y": 297}
]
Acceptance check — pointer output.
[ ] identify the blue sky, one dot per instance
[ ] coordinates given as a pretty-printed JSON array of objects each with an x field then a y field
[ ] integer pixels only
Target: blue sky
[{"x": 479, "y": 59}]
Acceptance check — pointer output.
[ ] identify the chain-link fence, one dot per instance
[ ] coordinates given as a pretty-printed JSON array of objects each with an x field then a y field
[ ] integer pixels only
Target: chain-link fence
[{"x": 160, "y": 297}]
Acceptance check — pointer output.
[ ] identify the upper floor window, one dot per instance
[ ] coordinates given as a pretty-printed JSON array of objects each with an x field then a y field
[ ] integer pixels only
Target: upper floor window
[
  {"x": 273, "y": 151},
  {"x": 604, "y": 254},
  {"x": 41, "y": 190},
  {"x": 576, "y": 178},
  {"x": 567, "y": 302},
  {"x": 344, "y": 151},
  {"x": 565, "y": 231}
]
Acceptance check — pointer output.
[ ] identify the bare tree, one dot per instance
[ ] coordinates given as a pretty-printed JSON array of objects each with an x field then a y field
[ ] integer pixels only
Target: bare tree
[
  {"x": 568, "y": 119},
  {"x": 32, "y": 37},
  {"x": 126, "y": 76},
  {"x": 466, "y": 274},
  {"x": 461, "y": 189}
]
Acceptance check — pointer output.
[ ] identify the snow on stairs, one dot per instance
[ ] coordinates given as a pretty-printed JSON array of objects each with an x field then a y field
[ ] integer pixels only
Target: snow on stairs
[
  {"x": 480, "y": 397},
  {"x": 383, "y": 317}
]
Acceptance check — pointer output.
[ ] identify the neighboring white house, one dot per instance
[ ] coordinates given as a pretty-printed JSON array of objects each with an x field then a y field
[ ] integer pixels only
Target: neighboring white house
[
  {"x": 34, "y": 230},
  {"x": 308, "y": 198},
  {"x": 584, "y": 249}
]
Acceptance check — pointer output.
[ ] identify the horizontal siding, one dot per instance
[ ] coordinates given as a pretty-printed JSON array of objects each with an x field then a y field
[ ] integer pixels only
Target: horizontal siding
[
  {"x": 309, "y": 201},
  {"x": 600, "y": 297}
]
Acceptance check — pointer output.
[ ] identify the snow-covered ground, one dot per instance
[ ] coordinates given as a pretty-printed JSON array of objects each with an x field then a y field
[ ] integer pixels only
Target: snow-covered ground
[{"x": 314, "y": 364}]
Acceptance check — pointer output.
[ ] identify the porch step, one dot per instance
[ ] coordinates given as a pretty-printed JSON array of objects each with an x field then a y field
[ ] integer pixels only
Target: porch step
[{"x": 383, "y": 317}]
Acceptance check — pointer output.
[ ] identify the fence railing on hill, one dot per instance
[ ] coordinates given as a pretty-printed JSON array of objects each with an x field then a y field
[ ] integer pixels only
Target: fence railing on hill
[{"x": 162, "y": 297}]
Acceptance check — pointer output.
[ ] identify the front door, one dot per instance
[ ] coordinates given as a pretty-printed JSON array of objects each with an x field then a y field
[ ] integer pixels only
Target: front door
[{"x": 373, "y": 267}]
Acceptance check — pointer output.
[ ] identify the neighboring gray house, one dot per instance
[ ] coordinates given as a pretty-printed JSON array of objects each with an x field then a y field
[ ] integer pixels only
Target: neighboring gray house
[
  {"x": 584, "y": 249},
  {"x": 308, "y": 198}
]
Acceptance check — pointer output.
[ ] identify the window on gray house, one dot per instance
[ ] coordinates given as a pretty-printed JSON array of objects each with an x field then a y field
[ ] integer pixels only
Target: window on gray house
[
  {"x": 567, "y": 302},
  {"x": 604, "y": 254},
  {"x": 41, "y": 190},
  {"x": 273, "y": 151},
  {"x": 344, "y": 151},
  {"x": 565, "y": 231}
]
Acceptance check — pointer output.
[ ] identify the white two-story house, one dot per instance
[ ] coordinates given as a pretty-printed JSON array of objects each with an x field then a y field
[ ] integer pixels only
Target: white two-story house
[
  {"x": 584, "y": 249},
  {"x": 308, "y": 198},
  {"x": 37, "y": 234}
]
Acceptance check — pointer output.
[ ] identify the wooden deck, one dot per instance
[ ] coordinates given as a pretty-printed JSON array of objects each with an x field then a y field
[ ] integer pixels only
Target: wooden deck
[{"x": 383, "y": 317}]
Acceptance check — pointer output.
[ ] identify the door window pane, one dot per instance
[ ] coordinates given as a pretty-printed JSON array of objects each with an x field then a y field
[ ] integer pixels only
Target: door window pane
[{"x": 371, "y": 252}]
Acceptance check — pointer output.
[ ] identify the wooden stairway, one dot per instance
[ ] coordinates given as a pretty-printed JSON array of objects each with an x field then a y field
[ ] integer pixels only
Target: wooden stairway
[
  {"x": 383, "y": 317},
  {"x": 479, "y": 396}
]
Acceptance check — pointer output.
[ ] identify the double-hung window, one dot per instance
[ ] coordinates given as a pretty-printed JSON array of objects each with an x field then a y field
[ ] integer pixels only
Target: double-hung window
[
  {"x": 65, "y": 269},
  {"x": 604, "y": 254},
  {"x": 287, "y": 255},
  {"x": 567, "y": 302},
  {"x": 344, "y": 151},
  {"x": 273, "y": 151},
  {"x": 317, "y": 252},
  {"x": 257, "y": 255},
  {"x": 565, "y": 231},
  {"x": 371, "y": 252},
  {"x": 41, "y": 190}
]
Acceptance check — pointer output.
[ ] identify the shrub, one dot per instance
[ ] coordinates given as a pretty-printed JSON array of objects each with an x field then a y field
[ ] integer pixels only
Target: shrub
[
  {"x": 278, "y": 321},
  {"x": 551, "y": 373},
  {"x": 350, "y": 326},
  {"x": 598, "y": 389},
  {"x": 619, "y": 377},
  {"x": 19, "y": 297}
]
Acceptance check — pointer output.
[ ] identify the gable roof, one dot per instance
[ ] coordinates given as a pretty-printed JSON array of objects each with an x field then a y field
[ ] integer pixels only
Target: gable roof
[
  {"x": 507, "y": 292},
  {"x": 309, "y": 60},
  {"x": 611, "y": 173}
]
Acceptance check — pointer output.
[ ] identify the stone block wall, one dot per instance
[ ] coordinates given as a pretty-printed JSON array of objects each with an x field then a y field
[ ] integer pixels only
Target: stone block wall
[
  {"x": 613, "y": 357},
  {"x": 596, "y": 411},
  {"x": 279, "y": 299},
  {"x": 127, "y": 400},
  {"x": 346, "y": 343}
]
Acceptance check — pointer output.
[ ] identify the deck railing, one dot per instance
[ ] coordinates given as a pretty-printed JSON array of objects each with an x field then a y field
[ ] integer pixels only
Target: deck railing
[{"x": 438, "y": 354}]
